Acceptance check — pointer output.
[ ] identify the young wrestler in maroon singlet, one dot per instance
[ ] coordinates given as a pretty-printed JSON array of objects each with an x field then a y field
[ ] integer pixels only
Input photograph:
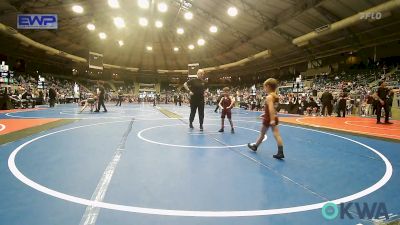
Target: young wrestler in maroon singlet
[
  {"x": 270, "y": 118},
  {"x": 226, "y": 104}
]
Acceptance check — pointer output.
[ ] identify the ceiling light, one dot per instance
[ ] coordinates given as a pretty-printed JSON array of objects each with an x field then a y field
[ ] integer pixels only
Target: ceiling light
[
  {"x": 102, "y": 35},
  {"x": 180, "y": 30},
  {"x": 176, "y": 49},
  {"x": 121, "y": 43},
  {"x": 201, "y": 42},
  {"x": 188, "y": 15},
  {"x": 159, "y": 24},
  {"x": 143, "y": 22},
  {"x": 91, "y": 26},
  {"x": 162, "y": 7},
  {"x": 149, "y": 48},
  {"x": 191, "y": 47},
  {"x": 144, "y": 4},
  {"x": 232, "y": 11},
  {"x": 213, "y": 29},
  {"x": 119, "y": 22},
  {"x": 77, "y": 9},
  {"x": 113, "y": 4}
]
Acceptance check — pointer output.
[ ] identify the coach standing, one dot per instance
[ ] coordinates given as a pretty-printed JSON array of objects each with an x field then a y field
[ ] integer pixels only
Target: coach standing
[
  {"x": 382, "y": 95},
  {"x": 196, "y": 88},
  {"x": 52, "y": 96},
  {"x": 326, "y": 100}
]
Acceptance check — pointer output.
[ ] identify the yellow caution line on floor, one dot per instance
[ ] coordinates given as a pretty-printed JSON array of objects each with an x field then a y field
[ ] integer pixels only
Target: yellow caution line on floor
[{"x": 169, "y": 113}]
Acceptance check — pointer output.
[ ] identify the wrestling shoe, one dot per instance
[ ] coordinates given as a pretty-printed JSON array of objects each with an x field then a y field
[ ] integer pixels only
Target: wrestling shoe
[
  {"x": 279, "y": 156},
  {"x": 252, "y": 147}
]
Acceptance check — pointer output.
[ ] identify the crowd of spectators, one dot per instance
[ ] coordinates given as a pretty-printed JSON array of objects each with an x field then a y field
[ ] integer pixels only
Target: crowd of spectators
[
  {"x": 27, "y": 91},
  {"x": 325, "y": 95},
  {"x": 350, "y": 93}
]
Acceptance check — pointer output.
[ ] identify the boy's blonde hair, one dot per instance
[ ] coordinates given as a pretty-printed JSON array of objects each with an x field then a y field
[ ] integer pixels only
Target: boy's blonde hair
[
  {"x": 272, "y": 83},
  {"x": 226, "y": 89}
]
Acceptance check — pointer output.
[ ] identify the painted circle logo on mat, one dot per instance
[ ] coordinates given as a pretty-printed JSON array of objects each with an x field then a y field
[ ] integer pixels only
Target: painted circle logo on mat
[{"x": 330, "y": 211}]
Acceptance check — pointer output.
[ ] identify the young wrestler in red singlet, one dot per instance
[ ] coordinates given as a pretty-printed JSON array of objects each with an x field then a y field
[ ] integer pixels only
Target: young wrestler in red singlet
[
  {"x": 226, "y": 104},
  {"x": 270, "y": 118}
]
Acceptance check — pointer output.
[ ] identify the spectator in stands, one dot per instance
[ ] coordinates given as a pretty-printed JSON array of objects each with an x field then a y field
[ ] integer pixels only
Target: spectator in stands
[
  {"x": 27, "y": 98},
  {"x": 312, "y": 107},
  {"x": 258, "y": 105},
  {"x": 370, "y": 100},
  {"x": 40, "y": 99},
  {"x": 390, "y": 102},
  {"x": 5, "y": 100},
  {"x": 61, "y": 99},
  {"x": 253, "y": 103},
  {"x": 15, "y": 99},
  {"x": 363, "y": 108},
  {"x": 398, "y": 99},
  {"x": 349, "y": 106},
  {"x": 218, "y": 100}
]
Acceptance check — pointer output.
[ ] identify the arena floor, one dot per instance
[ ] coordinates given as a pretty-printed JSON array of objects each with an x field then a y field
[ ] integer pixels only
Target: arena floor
[{"x": 139, "y": 164}]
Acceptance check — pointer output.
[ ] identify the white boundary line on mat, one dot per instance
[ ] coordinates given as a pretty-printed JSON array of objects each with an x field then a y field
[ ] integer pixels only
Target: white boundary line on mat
[{"x": 187, "y": 213}]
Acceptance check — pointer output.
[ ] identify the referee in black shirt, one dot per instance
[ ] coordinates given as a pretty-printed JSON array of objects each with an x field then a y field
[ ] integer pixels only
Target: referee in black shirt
[
  {"x": 101, "y": 99},
  {"x": 196, "y": 88},
  {"x": 382, "y": 95}
]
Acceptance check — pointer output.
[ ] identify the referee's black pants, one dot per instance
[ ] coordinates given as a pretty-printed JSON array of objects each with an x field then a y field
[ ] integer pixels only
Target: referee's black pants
[
  {"x": 379, "y": 112},
  {"x": 197, "y": 105},
  {"x": 101, "y": 103}
]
